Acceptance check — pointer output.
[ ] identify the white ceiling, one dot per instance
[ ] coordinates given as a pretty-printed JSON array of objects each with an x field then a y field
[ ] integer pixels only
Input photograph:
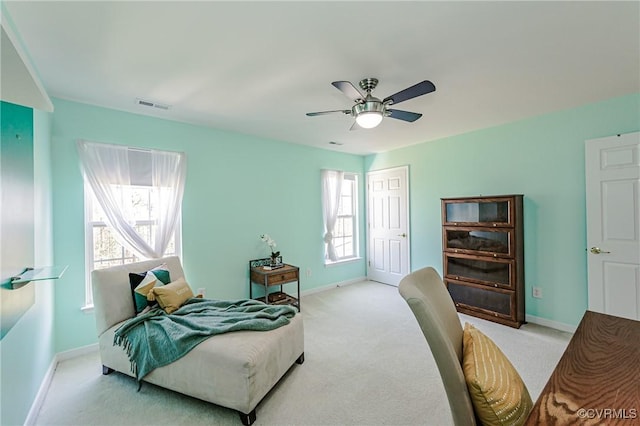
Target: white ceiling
[{"x": 258, "y": 67}]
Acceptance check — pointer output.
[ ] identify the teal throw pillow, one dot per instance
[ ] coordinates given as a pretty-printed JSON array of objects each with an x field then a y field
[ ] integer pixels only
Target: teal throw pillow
[{"x": 141, "y": 283}]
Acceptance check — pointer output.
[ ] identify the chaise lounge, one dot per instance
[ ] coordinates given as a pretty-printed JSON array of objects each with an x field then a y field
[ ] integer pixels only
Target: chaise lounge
[{"x": 234, "y": 370}]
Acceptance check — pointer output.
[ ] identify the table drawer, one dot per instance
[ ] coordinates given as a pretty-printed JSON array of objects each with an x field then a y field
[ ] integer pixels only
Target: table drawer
[{"x": 284, "y": 277}]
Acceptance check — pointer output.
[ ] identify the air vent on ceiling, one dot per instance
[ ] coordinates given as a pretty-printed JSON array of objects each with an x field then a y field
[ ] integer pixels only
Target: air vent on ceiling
[{"x": 152, "y": 104}]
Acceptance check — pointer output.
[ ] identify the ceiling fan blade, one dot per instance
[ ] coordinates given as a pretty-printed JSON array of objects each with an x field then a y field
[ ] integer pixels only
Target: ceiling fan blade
[
  {"x": 348, "y": 89},
  {"x": 344, "y": 111},
  {"x": 403, "y": 115},
  {"x": 414, "y": 91}
]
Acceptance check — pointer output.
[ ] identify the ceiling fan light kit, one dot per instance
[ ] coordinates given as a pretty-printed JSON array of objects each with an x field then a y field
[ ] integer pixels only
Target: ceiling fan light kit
[
  {"x": 369, "y": 120},
  {"x": 369, "y": 110},
  {"x": 369, "y": 114}
]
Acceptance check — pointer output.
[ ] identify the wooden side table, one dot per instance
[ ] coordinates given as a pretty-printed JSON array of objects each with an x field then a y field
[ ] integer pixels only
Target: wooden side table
[{"x": 274, "y": 277}]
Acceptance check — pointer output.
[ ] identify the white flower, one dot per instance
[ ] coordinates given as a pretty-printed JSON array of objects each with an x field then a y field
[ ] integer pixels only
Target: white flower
[{"x": 268, "y": 241}]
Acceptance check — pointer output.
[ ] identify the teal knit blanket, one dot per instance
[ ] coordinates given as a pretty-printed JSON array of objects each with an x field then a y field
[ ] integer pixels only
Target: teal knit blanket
[{"x": 155, "y": 339}]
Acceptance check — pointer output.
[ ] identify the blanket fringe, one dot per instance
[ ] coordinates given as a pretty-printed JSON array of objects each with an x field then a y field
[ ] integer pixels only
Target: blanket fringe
[{"x": 127, "y": 347}]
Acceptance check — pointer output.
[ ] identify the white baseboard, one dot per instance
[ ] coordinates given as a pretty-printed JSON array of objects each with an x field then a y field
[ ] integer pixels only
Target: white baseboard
[
  {"x": 74, "y": 353},
  {"x": 42, "y": 393},
  {"x": 353, "y": 281},
  {"x": 46, "y": 381},
  {"x": 334, "y": 285},
  {"x": 551, "y": 324}
]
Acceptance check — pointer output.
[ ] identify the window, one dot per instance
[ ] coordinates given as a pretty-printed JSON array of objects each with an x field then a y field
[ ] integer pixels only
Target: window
[
  {"x": 133, "y": 202},
  {"x": 342, "y": 240},
  {"x": 103, "y": 248}
]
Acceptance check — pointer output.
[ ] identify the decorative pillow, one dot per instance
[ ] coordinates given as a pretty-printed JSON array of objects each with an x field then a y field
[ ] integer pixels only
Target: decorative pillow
[
  {"x": 499, "y": 395},
  {"x": 171, "y": 296},
  {"x": 142, "y": 282}
]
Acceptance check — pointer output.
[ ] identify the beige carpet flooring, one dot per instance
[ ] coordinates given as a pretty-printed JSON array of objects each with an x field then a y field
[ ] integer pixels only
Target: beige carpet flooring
[{"x": 366, "y": 363}]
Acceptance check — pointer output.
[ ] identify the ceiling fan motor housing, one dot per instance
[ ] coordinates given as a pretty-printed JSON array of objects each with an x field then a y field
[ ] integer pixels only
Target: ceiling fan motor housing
[
  {"x": 370, "y": 104},
  {"x": 368, "y": 84}
]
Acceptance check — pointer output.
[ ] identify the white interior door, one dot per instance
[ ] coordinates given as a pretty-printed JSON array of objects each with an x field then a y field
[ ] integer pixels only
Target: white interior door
[
  {"x": 388, "y": 225},
  {"x": 612, "y": 168}
]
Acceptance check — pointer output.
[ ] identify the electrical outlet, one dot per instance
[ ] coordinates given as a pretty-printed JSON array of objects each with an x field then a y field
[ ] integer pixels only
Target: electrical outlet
[
  {"x": 202, "y": 291},
  {"x": 537, "y": 292},
  {"x": 308, "y": 272}
]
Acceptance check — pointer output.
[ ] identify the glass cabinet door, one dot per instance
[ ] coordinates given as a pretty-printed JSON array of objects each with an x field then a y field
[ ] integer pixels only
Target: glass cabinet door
[
  {"x": 495, "y": 272},
  {"x": 477, "y": 298},
  {"x": 494, "y": 213},
  {"x": 497, "y": 242}
]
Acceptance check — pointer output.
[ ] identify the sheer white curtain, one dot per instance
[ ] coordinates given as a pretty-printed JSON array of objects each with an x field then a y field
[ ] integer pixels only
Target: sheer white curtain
[
  {"x": 331, "y": 187},
  {"x": 106, "y": 167},
  {"x": 168, "y": 174}
]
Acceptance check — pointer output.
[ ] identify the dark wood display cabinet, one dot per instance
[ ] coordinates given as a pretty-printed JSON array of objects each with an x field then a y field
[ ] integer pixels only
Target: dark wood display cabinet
[{"x": 483, "y": 256}]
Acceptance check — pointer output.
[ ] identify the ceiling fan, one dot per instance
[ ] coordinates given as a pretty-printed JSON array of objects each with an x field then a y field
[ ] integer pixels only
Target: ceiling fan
[{"x": 369, "y": 110}]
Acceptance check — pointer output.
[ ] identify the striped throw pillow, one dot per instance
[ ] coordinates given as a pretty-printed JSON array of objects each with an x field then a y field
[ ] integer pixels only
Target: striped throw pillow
[{"x": 498, "y": 394}]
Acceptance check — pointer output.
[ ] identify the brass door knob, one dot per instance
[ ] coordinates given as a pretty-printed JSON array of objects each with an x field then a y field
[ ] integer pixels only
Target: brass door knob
[{"x": 597, "y": 250}]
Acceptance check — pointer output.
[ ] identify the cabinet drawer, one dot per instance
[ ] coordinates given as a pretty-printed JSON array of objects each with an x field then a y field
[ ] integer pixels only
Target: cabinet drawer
[
  {"x": 493, "y": 301},
  {"x": 494, "y": 272},
  {"x": 496, "y": 242},
  {"x": 284, "y": 277}
]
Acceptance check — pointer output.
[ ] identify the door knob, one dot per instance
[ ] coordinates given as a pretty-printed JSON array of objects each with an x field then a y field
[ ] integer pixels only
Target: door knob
[
  {"x": 596, "y": 250},
  {"x": 403, "y": 235}
]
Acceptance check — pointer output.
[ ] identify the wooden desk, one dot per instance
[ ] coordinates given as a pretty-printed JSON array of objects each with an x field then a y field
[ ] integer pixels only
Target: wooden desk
[{"x": 597, "y": 380}]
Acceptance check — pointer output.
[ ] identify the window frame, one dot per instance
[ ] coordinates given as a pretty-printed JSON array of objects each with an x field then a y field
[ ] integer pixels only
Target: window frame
[{"x": 349, "y": 178}]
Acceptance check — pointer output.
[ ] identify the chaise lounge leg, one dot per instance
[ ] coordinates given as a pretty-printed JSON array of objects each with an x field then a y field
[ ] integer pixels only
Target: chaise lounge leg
[
  {"x": 300, "y": 359},
  {"x": 106, "y": 370},
  {"x": 248, "y": 419}
]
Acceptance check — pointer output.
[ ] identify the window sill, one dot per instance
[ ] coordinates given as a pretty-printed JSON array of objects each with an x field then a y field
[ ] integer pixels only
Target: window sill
[{"x": 342, "y": 262}]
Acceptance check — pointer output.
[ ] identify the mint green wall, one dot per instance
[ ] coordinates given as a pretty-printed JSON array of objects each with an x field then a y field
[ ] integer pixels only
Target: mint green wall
[
  {"x": 542, "y": 158},
  {"x": 238, "y": 187},
  {"x": 27, "y": 350},
  {"x": 228, "y": 203}
]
